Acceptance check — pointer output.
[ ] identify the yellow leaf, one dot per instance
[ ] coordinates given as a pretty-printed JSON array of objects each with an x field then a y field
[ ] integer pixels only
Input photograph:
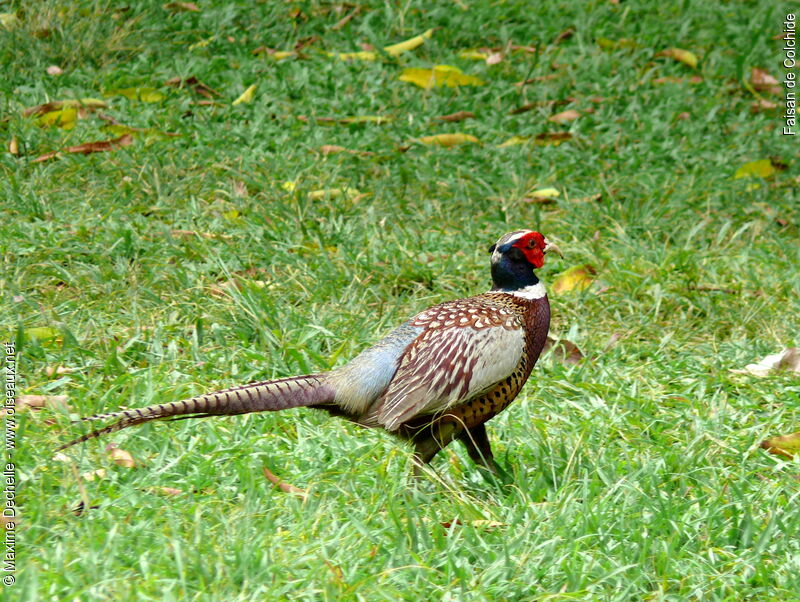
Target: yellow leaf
[
  {"x": 334, "y": 193},
  {"x": 231, "y": 215},
  {"x": 289, "y": 186},
  {"x": 440, "y": 75},
  {"x": 247, "y": 96},
  {"x": 784, "y": 445},
  {"x": 681, "y": 55},
  {"x": 607, "y": 44},
  {"x": 410, "y": 44},
  {"x": 448, "y": 140},
  {"x": 514, "y": 141},
  {"x": 65, "y": 118},
  {"x": 473, "y": 55},
  {"x": 13, "y": 146},
  {"x": 363, "y": 55},
  {"x": 578, "y": 277},
  {"x": 42, "y": 333},
  {"x": 282, "y": 54},
  {"x": 546, "y": 193},
  {"x": 9, "y": 20},
  {"x": 202, "y": 43},
  {"x": 762, "y": 168},
  {"x": 144, "y": 94}
]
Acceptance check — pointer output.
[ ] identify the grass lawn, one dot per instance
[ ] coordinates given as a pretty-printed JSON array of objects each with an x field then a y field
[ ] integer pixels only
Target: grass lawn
[{"x": 240, "y": 249}]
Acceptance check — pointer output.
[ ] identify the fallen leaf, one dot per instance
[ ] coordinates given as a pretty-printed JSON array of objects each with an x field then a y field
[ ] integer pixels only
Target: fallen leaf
[
  {"x": 289, "y": 186},
  {"x": 763, "y": 168},
  {"x": 607, "y": 44},
  {"x": 335, "y": 193},
  {"x": 120, "y": 456},
  {"x": 284, "y": 486},
  {"x": 90, "y": 147},
  {"x": 13, "y": 146},
  {"x": 37, "y": 402},
  {"x": 683, "y": 116},
  {"x": 246, "y": 96},
  {"x": 481, "y": 523},
  {"x": 680, "y": 55},
  {"x": 91, "y": 475},
  {"x": 592, "y": 198},
  {"x": 42, "y": 334},
  {"x": 567, "y": 351},
  {"x": 9, "y": 20},
  {"x": 346, "y": 19},
  {"x": 167, "y": 491},
  {"x": 788, "y": 360},
  {"x": 193, "y": 83},
  {"x": 448, "y": 140},
  {"x": 578, "y": 278},
  {"x": 54, "y": 70},
  {"x": 58, "y": 370},
  {"x": 202, "y": 43},
  {"x": 494, "y": 58},
  {"x": 564, "y": 116},
  {"x": 355, "y": 120},
  {"x": 762, "y": 104},
  {"x": 359, "y": 55},
  {"x": 540, "y": 78},
  {"x": 457, "y": 116},
  {"x": 473, "y": 55},
  {"x": 181, "y": 7},
  {"x": 144, "y": 94},
  {"x": 762, "y": 81},
  {"x": 120, "y": 129},
  {"x": 330, "y": 149},
  {"x": 785, "y": 446},
  {"x": 564, "y": 35},
  {"x": 440, "y": 75},
  {"x": 554, "y": 138},
  {"x": 514, "y": 141},
  {"x": 410, "y": 44},
  {"x": 547, "y": 193}
]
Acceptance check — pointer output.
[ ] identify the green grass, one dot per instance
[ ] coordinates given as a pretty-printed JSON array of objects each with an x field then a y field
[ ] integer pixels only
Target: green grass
[{"x": 636, "y": 473}]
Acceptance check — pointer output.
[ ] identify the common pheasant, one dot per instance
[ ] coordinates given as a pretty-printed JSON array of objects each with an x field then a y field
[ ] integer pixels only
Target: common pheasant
[{"x": 438, "y": 377}]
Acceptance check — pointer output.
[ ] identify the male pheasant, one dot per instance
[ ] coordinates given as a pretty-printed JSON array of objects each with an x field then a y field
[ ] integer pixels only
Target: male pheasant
[{"x": 438, "y": 377}]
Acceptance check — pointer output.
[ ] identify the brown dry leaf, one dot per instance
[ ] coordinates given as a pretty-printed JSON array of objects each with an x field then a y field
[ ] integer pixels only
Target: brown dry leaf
[
  {"x": 120, "y": 456},
  {"x": 181, "y": 7},
  {"x": 440, "y": 75},
  {"x": 679, "y": 54},
  {"x": 592, "y": 198},
  {"x": 567, "y": 351},
  {"x": 762, "y": 81},
  {"x": 37, "y": 402},
  {"x": 284, "y": 486},
  {"x": 564, "y": 35},
  {"x": 54, "y": 70},
  {"x": 448, "y": 140},
  {"x": 762, "y": 105},
  {"x": 193, "y": 83},
  {"x": 90, "y": 147},
  {"x": 346, "y": 19},
  {"x": 331, "y": 149},
  {"x": 787, "y": 360},
  {"x": 457, "y": 116},
  {"x": 786, "y": 446},
  {"x": 58, "y": 370},
  {"x": 565, "y": 116},
  {"x": 576, "y": 278},
  {"x": 554, "y": 138}
]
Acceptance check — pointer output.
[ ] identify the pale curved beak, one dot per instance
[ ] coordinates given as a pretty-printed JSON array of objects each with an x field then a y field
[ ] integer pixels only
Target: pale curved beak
[{"x": 552, "y": 247}]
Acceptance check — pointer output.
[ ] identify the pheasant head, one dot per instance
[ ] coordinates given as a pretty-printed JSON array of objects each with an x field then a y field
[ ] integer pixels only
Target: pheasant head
[{"x": 514, "y": 257}]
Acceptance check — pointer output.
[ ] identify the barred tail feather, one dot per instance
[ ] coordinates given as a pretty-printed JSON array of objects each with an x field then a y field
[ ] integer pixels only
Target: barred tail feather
[{"x": 266, "y": 396}]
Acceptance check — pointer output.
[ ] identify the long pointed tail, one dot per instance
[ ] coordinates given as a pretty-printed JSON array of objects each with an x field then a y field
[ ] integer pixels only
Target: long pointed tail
[{"x": 270, "y": 395}]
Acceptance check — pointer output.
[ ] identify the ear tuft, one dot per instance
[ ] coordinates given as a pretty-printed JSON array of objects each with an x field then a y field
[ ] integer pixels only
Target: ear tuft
[{"x": 492, "y": 248}]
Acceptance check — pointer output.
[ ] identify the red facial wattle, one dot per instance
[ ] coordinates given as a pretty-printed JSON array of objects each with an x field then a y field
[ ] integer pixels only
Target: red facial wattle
[{"x": 532, "y": 246}]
